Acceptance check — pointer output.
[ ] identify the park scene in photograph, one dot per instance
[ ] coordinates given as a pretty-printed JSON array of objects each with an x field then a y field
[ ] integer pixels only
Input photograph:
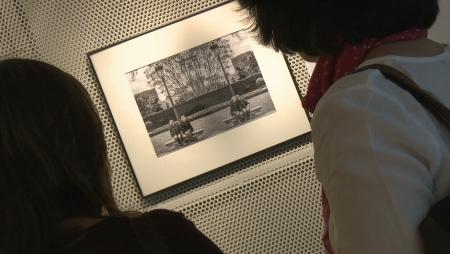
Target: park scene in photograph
[{"x": 200, "y": 93}]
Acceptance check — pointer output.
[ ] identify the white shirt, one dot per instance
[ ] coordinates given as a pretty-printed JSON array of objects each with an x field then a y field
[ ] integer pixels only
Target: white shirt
[{"x": 382, "y": 158}]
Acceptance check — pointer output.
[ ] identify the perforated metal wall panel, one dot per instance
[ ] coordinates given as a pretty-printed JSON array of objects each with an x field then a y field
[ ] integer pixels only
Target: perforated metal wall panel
[{"x": 267, "y": 203}]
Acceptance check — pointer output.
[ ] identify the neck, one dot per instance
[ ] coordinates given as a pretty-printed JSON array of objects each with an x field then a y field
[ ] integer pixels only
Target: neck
[{"x": 412, "y": 48}]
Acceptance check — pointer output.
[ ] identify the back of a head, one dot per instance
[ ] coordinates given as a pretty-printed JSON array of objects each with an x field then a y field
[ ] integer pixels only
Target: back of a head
[
  {"x": 322, "y": 27},
  {"x": 53, "y": 155}
]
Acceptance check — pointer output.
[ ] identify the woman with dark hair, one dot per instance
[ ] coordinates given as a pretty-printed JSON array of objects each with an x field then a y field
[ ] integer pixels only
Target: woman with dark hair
[
  {"x": 382, "y": 158},
  {"x": 55, "y": 187}
]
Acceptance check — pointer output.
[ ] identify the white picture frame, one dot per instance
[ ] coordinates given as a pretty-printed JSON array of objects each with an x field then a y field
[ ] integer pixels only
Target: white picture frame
[{"x": 155, "y": 173}]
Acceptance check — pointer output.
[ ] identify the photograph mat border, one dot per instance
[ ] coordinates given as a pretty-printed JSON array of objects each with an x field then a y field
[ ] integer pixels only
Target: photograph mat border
[
  {"x": 168, "y": 57},
  {"x": 111, "y": 64}
]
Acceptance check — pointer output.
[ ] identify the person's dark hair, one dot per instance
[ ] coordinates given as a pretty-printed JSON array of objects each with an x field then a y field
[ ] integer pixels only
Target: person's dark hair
[
  {"x": 321, "y": 27},
  {"x": 53, "y": 161}
]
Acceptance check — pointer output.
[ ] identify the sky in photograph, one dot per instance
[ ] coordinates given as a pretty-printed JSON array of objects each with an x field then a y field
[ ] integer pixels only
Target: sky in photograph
[{"x": 140, "y": 83}]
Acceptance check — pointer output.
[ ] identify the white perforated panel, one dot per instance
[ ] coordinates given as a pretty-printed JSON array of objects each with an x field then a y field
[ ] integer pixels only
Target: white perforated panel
[
  {"x": 267, "y": 203},
  {"x": 300, "y": 72},
  {"x": 269, "y": 213}
]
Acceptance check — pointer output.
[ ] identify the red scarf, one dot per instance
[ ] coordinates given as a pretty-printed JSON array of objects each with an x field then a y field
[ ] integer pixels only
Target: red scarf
[{"x": 328, "y": 70}]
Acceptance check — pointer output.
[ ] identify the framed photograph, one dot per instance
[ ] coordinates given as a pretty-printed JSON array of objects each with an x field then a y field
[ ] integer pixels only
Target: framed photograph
[{"x": 196, "y": 95}]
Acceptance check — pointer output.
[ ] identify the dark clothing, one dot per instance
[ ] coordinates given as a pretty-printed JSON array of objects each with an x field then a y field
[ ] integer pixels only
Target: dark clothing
[
  {"x": 175, "y": 129},
  {"x": 243, "y": 103},
  {"x": 239, "y": 105},
  {"x": 159, "y": 231},
  {"x": 186, "y": 126},
  {"x": 234, "y": 107}
]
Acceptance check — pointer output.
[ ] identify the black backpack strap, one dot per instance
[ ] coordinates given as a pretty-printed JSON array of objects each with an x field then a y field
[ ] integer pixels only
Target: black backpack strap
[
  {"x": 147, "y": 235},
  {"x": 428, "y": 101},
  {"x": 435, "y": 228}
]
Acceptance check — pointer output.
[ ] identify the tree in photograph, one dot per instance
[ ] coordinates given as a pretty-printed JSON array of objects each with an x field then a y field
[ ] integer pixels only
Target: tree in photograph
[
  {"x": 216, "y": 49},
  {"x": 147, "y": 99},
  {"x": 194, "y": 72},
  {"x": 245, "y": 65},
  {"x": 159, "y": 71}
]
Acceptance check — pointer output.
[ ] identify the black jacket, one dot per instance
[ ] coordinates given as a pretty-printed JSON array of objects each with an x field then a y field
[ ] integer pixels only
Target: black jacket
[{"x": 158, "y": 232}]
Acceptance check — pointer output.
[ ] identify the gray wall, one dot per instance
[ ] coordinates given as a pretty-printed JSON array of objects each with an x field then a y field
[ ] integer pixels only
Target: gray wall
[{"x": 441, "y": 29}]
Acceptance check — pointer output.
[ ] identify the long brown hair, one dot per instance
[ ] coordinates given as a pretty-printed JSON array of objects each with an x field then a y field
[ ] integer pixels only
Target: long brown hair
[{"x": 53, "y": 159}]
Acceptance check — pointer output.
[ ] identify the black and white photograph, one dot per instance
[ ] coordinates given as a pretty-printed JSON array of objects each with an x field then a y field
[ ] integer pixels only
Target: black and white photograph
[
  {"x": 200, "y": 93},
  {"x": 195, "y": 95}
]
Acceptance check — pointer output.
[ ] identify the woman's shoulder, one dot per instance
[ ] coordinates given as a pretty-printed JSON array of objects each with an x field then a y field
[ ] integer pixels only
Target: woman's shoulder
[
  {"x": 165, "y": 221},
  {"x": 110, "y": 235},
  {"x": 430, "y": 74},
  {"x": 365, "y": 111},
  {"x": 370, "y": 91},
  {"x": 157, "y": 231},
  {"x": 363, "y": 106},
  {"x": 354, "y": 92},
  {"x": 174, "y": 231},
  {"x": 157, "y": 213}
]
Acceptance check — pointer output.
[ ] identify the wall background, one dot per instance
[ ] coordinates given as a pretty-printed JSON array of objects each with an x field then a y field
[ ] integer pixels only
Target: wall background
[
  {"x": 441, "y": 29},
  {"x": 268, "y": 203}
]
